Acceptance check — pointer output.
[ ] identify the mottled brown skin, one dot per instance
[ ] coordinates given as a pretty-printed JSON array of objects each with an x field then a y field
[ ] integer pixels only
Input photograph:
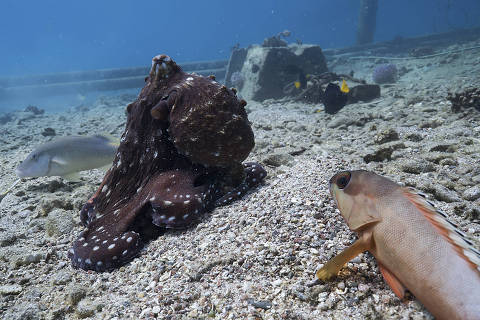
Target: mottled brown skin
[{"x": 180, "y": 155}]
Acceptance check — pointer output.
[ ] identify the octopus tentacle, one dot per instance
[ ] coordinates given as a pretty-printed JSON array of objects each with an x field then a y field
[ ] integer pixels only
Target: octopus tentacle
[
  {"x": 254, "y": 175},
  {"x": 170, "y": 199}
]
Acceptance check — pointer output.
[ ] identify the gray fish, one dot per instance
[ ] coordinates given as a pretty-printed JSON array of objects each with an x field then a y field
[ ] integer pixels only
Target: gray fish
[{"x": 68, "y": 155}]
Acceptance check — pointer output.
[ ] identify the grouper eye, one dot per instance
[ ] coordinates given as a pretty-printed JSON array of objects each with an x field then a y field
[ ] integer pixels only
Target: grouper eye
[{"x": 343, "y": 179}]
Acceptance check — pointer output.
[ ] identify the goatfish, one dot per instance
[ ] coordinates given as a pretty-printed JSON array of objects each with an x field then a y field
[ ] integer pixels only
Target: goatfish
[
  {"x": 415, "y": 246},
  {"x": 67, "y": 156}
]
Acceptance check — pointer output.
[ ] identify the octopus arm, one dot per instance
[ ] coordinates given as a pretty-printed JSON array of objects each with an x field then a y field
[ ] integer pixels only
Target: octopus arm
[
  {"x": 177, "y": 200},
  {"x": 254, "y": 175}
]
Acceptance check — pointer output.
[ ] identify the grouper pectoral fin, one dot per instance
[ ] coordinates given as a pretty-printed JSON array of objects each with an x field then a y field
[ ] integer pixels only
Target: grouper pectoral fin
[{"x": 333, "y": 266}]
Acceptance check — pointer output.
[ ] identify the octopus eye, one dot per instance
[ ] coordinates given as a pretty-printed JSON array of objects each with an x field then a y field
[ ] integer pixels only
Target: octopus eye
[{"x": 343, "y": 179}]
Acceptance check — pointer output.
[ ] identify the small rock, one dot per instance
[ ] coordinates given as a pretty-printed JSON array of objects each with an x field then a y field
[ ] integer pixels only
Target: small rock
[
  {"x": 23, "y": 311},
  {"x": 414, "y": 137},
  {"x": 278, "y": 159},
  {"x": 384, "y": 136},
  {"x": 341, "y": 121},
  {"x": 10, "y": 289},
  {"x": 277, "y": 282},
  {"x": 472, "y": 193},
  {"x": 445, "y": 147},
  {"x": 156, "y": 310},
  {"x": 86, "y": 308},
  {"x": 416, "y": 166},
  {"x": 476, "y": 178},
  {"x": 448, "y": 162},
  {"x": 436, "y": 157},
  {"x": 384, "y": 152},
  {"x": 58, "y": 313},
  {"x": 62, "y": 277},
  {"x": 75, "y": 294},
  {"x": 27, "y": 257},
  {"x": 25, "y": 213},
  {"x": 47, "y": 204},
  {"x": 443, "y": 194},
  {"x": 434, "y": 123},
  {"x": 7, "y": 239},
  {"x": 363, "y": 287},
  {"x": 262, "y": 304},
  {"x": 59, "y": 222},
  {"x": 48, "y": 132}
]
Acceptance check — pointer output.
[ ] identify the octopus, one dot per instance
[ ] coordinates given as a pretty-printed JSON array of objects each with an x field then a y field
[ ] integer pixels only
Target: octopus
[{"x": 180, "y": 156}]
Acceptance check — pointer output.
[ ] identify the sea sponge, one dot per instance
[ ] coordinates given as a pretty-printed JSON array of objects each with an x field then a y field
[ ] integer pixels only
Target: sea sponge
[{"x": 385, "y": 73}]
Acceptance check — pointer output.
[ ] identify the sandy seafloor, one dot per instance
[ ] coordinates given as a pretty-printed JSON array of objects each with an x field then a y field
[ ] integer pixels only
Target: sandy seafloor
[{"x": 254, "y": 258}]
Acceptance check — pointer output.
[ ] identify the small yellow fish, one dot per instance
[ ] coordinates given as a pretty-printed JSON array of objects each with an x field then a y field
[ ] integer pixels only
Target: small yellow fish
[
  {"x": 344, "y": 87},
  {"x": 297, "y": 84}
]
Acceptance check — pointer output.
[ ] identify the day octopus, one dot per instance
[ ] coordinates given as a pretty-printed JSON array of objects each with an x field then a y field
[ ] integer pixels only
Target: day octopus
[{"x": 180, "y": 155}]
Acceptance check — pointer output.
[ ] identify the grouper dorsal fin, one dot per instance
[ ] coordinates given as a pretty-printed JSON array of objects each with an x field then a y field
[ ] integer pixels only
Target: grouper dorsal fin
[{"x": 447, "y": 229}]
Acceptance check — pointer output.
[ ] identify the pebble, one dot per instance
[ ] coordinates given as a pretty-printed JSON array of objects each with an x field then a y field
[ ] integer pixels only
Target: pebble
[
  {"x": 7, "y": 239},
  {"x": 62, "y": 277},
  {"x": 262, "y": 304},
  {"x": 443, "y": 194},
  {"x": 384, "y": 136},
  {"x": 86, "y": 308},
  {"x": 48, "y": 132},
  {"x": 145, "y": 312},
  {"x": 277, "y": 282},
  {"x": 26, "y": 258},
  {"x": 416, "y": 166},
  {"x": 341, "y": 121},
  {"x": 383, "y": 152},
  {"x": 10, "y": 289},
  {"x": 25, "y": 213},
  {"x": 363, "y": 287},
  {"x": 472, "y": 193},
  {"x": 278, "y": 159},
  {"x": 75, "y": 293},
  {"x": 59, "y": 222}
]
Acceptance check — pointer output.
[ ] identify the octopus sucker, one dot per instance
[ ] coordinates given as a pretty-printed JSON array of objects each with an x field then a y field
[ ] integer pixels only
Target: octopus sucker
[{"x": 180, "y": 156}]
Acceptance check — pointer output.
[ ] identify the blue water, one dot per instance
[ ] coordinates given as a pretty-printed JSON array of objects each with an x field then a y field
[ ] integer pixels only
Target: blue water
[
  {"x": 50, "y": 36},
  {"x": 55, "y": 36}
]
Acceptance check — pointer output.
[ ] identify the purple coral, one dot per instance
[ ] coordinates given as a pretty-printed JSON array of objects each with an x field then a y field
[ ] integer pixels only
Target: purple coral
[
  {"x": 237, "y": 79},
  {"x": 385, "y": 73}
]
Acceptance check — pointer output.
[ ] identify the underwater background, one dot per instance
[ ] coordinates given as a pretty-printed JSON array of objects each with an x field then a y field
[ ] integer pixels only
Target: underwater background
[
  {"x": 305, "y": 103},
  {"x": 44, "y": 37},
  {"x": 58, "y": 36}
]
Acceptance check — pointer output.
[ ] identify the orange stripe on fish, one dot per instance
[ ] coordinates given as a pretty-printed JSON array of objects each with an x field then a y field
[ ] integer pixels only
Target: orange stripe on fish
[{"x": 446, "y": 228}]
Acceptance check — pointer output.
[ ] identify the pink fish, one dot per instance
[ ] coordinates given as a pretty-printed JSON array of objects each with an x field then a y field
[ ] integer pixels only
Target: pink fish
[{"x": 415, "y": 246}]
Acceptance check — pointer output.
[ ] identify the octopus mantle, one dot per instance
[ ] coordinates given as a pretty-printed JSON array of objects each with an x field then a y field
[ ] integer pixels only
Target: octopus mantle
[{"x": 180, "y": 155}]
